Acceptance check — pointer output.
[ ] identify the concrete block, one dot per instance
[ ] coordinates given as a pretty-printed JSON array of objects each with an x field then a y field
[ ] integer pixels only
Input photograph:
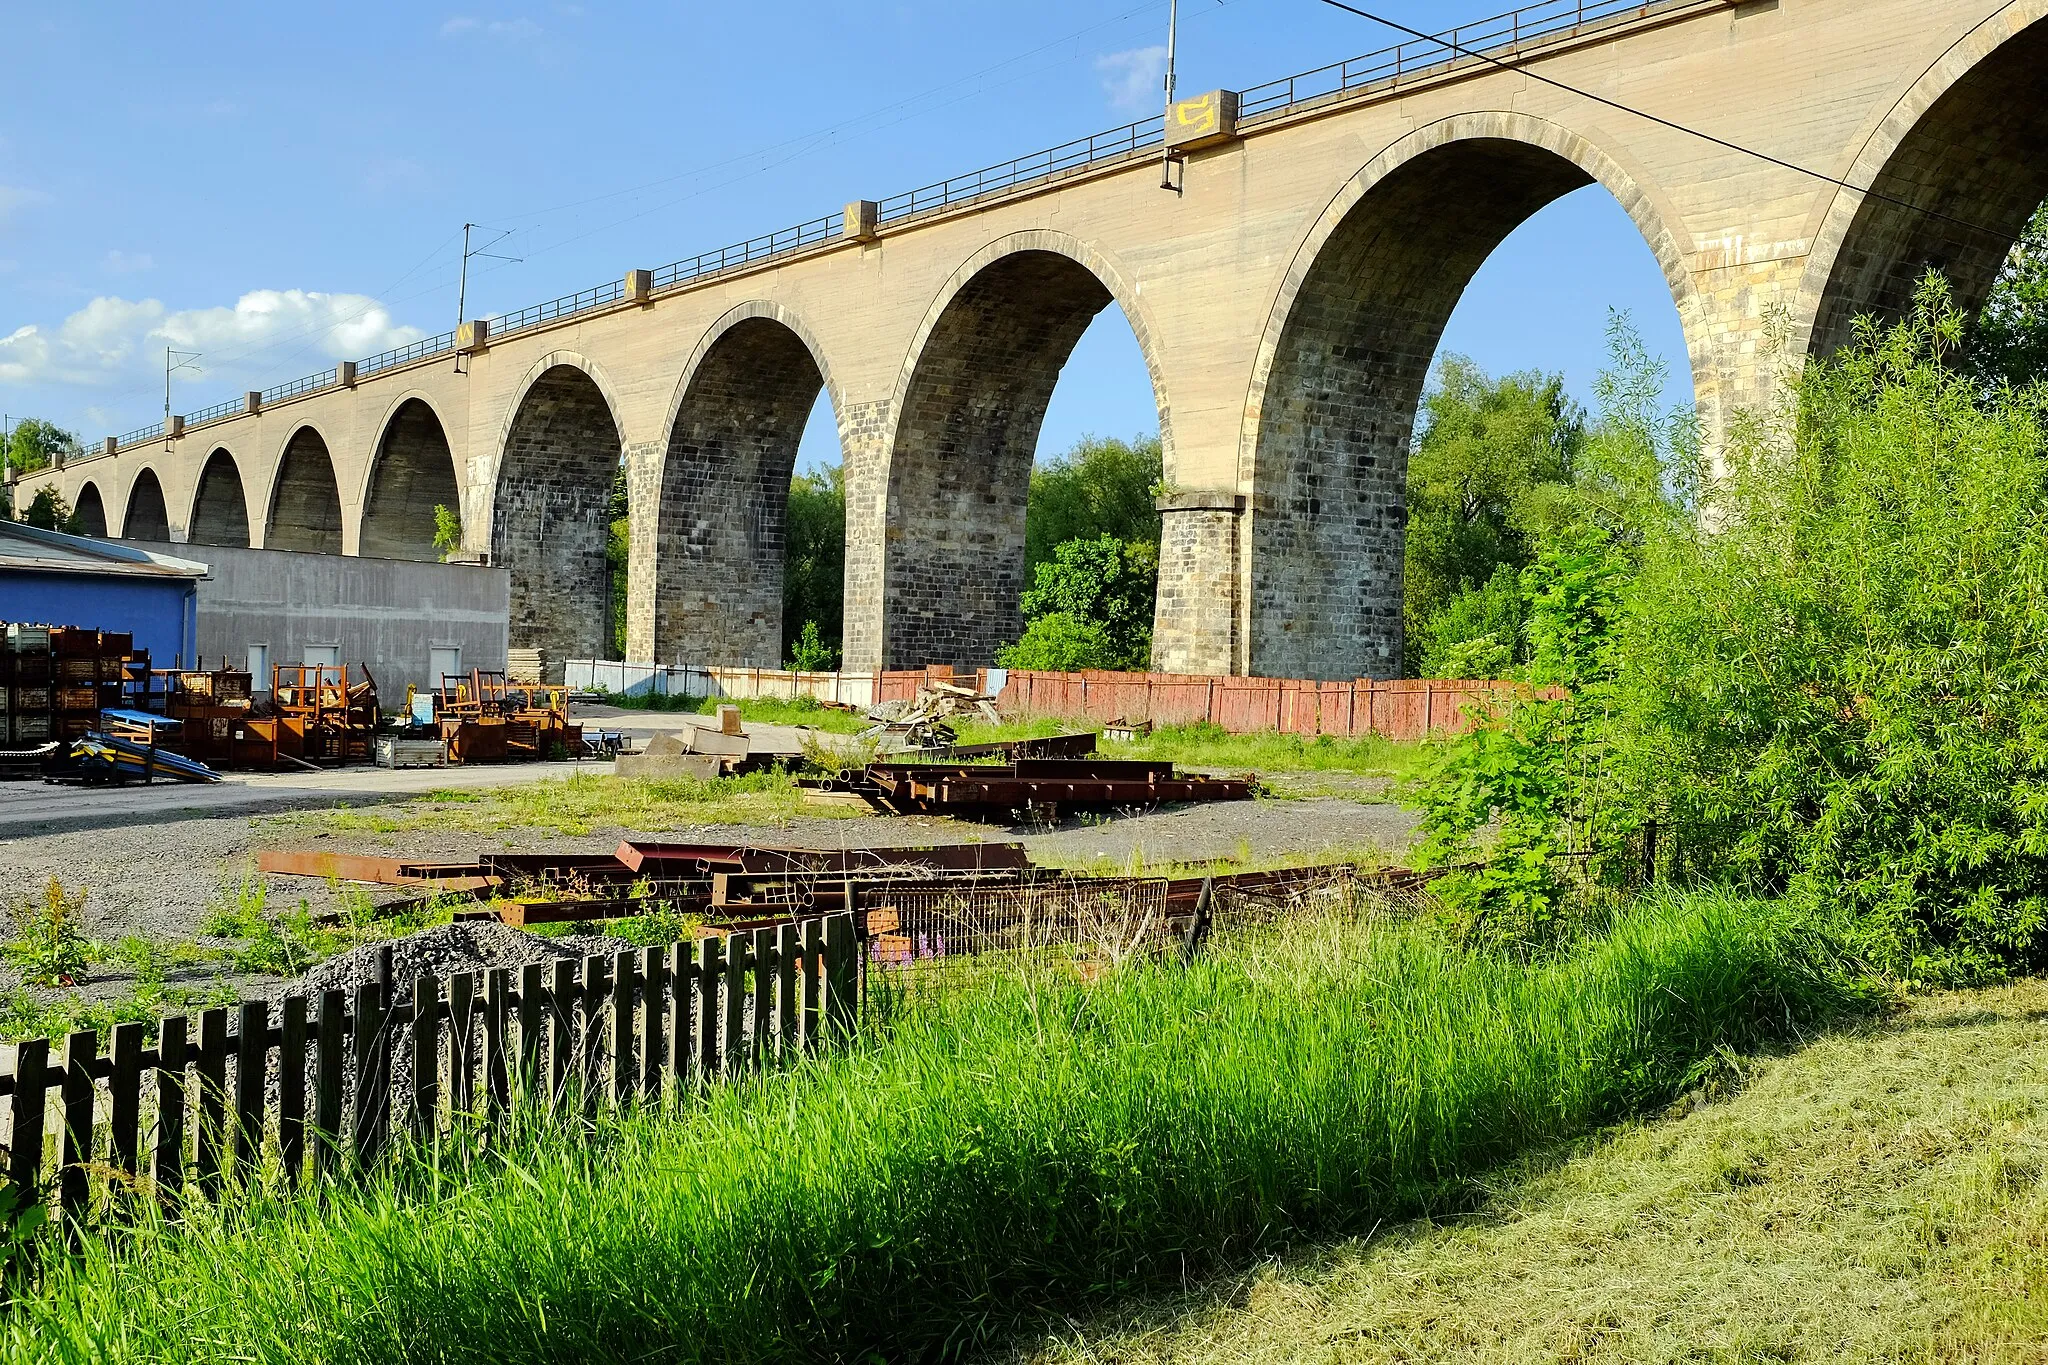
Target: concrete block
[
  {"x": 472, "y": 338},
  {"x": 729, "y": 721},
  {"x": 671, "y": 767},
  {"x": 1206, "y": 121},
  {"x": 703, "y": 741},
  {"x": 863, "y": 220}
]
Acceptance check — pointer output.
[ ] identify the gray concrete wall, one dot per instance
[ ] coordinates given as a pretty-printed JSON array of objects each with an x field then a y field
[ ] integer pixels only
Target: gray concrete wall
[{"x": 386, "y": 613}]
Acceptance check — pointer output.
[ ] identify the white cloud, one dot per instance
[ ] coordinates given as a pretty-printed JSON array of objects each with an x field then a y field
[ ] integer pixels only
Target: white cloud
[
  {"x": 14, "y": 197},
  {"x": 117, "y": 341},
  {"x": 118, "y": 262},
  {"x": 1134, "y": 80},
  {"x": 462, "y": 25}
]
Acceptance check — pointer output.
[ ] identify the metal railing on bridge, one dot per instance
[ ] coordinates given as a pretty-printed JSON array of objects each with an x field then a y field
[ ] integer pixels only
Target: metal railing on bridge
[{"x": 1502, "y": 37}]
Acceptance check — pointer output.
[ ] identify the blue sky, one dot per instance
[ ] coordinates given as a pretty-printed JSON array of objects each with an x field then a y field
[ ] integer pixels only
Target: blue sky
[{"x": 283, "y": 186}]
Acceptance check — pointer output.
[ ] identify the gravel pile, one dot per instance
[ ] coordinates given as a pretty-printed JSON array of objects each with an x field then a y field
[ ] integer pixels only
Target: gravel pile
[{"x": 468, "y": 946}]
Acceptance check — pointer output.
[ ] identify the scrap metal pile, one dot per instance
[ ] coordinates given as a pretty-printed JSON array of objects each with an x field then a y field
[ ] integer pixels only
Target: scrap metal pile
[
  {"x": 1007, "y": 782},
  {"x": 74, "y": 705},
  {"x": 912, "y": 905}
]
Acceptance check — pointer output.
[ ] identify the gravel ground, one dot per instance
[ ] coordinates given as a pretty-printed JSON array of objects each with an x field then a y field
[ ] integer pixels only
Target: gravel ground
[{"x": 158, "y": 881}]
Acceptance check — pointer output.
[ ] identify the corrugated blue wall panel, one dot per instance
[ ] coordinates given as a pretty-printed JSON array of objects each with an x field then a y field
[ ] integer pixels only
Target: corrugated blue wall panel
[{"x": 162, "y": 614}]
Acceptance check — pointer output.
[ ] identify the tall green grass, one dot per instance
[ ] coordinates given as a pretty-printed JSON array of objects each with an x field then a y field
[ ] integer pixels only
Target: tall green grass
[{"x": 989, "y": 1156}]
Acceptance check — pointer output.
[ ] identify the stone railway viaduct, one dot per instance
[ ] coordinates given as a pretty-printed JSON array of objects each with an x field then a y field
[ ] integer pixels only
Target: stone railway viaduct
[{"x": 1288, "y": 304}]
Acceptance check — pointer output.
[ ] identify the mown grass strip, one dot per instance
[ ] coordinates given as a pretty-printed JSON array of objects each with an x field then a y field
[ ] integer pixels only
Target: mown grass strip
[{"x": 1022, "y": 1146}]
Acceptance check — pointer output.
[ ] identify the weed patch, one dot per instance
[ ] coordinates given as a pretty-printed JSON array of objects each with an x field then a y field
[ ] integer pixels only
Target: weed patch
[{"x": 1023, "y": 1146}]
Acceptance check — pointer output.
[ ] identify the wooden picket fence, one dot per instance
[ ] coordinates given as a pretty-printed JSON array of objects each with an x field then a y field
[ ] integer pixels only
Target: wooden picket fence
[{"x": 624, "y": 1030}]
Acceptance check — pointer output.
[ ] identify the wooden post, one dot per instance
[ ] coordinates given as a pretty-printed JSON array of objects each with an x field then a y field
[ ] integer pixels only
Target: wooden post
[
  {"x": 497, "y": 1040},
  {"x": 167, "y": 1163},
  {"x": 682, "y": 970},
  {"x": 426, "y": 1057},
  {"x": 562, "y": 1032},
  {"x": 625, "y": 1083},
  {"x": 842, "y": 1003},
  {"x": 532, "y": 994},
  {"x": 813, "y": 982},
  {"x": 291, "y": 1089},
  {"x": 252, "y": 1057},
  {"x": 212, "y": 1077},
  {"x": 124, "y": 1100},
  {"x": 653, "y": 1047},
  {"x": 710, "y": 973},
  {"x": 759, "y": 1027},
  {"x": 462, "y": 1046},
  {"x": 787, "y": 968},
  {"x": 373, "y": 1074},
  {"x": 590, "y": 1076},
  {"x": 734, "y": 991},
  {"x": 330, "y": 1060},
  {"x": 31, "y": 1090},
  {"x": 74, "y": 1188}
]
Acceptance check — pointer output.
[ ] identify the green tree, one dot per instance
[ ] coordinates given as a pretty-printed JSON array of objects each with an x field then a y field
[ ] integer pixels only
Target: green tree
[
  {"x": 35, "y": 444},
  {"x": 1528, "y": 814},
  {"x": 447, "y": 531},
  {"x": 1838, "y": 693},
  {"x": 2009, "y": 340},
  {"x": 1490, "y": 471},
  {"x": 49, "y": 511},
  {"x": 1098, "y": 488},
  {"x": 814, "y": 561},
  {"x": 1103, "y": 591}
]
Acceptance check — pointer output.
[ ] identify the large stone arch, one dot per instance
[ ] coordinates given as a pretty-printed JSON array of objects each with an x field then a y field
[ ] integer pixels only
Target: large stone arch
[
  {"x": 305, "y": 496},
  {"x": 943, "y": 584},
  {"x": 220, "y": 503},
  {"x": 1343, "y": 361},
  {"x": 710, "y": 582},
  {"x": 1955, "y": 168},
  {"x": 91, "y": 510},
  {"x": 550, "y": 507},
  {"x": 412, "y": 471},
  {"x": 144, "y": 513}
]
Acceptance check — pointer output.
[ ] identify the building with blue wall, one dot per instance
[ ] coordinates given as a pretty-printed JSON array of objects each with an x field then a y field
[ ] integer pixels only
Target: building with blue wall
[{"x": 47, "y": 577}]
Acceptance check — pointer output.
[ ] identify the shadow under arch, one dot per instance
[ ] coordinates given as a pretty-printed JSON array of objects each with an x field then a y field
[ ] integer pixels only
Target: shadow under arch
[
  {"x": 220, "y": 504},
  {"x": 91, "y": 511},
  {"x": 1346, "y": 354},
  {"x": 145, "y": 515},
  {"x": 551, "y": 512},
  {"x": 305, "y": 497},
  {"x": 412, "y": 472},
  {"x": 1958, "y": 166},
  {"x": 720, "y": 517},
  {"x": 964, "y": 428}
]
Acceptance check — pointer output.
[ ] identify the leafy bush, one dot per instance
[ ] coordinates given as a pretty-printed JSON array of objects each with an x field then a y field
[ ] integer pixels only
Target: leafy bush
[
  {"x": 1102, "y": 591},
  {"x": 1842, "y": 691},
  {"x": 810, "y": 653},
  {"x": 48, "y": 947},
  {"x": 1829, "y": 686}
]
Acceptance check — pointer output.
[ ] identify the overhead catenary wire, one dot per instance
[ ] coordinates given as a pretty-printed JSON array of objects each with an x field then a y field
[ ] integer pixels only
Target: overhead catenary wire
[{"x": 1524, "y": 69}]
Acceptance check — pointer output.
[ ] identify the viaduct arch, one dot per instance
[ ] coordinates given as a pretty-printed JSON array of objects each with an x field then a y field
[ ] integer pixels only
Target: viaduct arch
[
  {"x": 220, "y": 505},
  {"x": 710, "y": 538},
  {"x": 145, "y": 515},
  {"x": 1287, "y": 303},
  {"x": 411, "y": 472},
  {"x": 91, "y": 511},
  {"x": 551, "y": 516},
  {"x": 969, "y": 405},
  {"x": 1345, "y": 356}
]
